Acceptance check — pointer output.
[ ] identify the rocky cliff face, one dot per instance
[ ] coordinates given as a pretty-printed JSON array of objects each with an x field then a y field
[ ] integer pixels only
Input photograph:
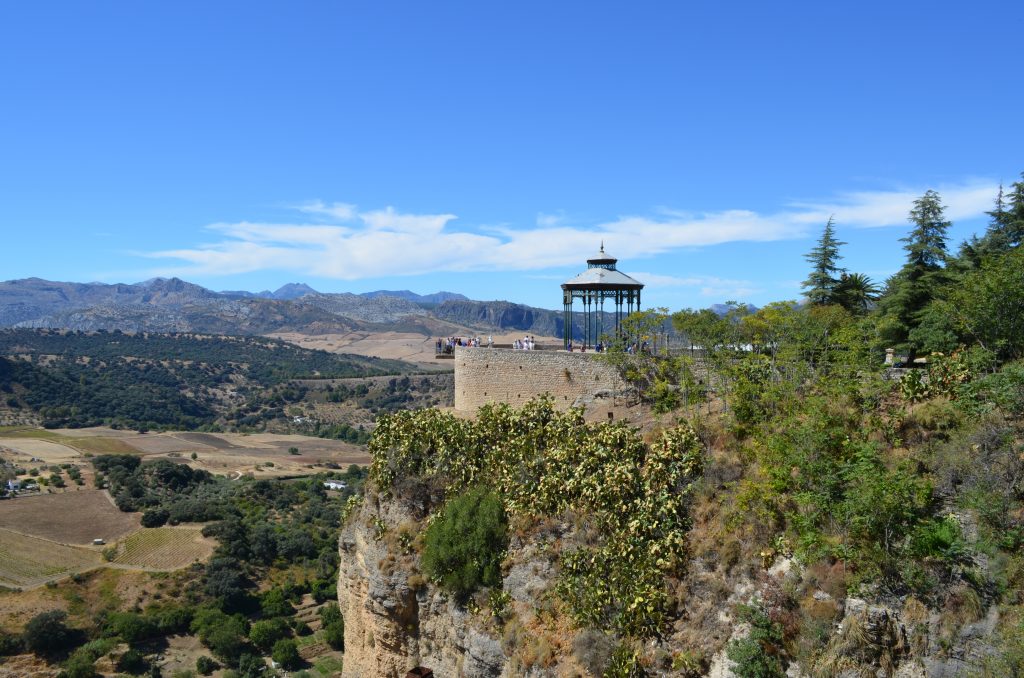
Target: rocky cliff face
[
  {"x": 502, "y": 315},
  {"x": 394, "y": 620}
]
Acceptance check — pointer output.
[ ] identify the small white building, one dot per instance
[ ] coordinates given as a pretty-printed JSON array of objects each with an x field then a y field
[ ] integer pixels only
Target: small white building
[{"x": 334, "y": 485}]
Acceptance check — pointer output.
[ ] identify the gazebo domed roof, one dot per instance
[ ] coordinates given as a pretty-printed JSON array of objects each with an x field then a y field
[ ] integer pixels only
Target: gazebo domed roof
[
  {"x": 602, "y": 259},
  {"x": 602, "y": 274}
]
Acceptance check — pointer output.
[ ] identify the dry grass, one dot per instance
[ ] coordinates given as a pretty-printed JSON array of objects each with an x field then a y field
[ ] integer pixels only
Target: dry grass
[
  {"x": 44, "y": 448},
  {"x": 28, "y": 561},
  {"x": 99, "y": 445},
  {"x": 26, "y": 432},
  {"x": 74, "y": 517}
]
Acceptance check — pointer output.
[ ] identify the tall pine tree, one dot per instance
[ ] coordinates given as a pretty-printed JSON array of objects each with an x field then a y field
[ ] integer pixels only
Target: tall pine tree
[
  {"x": 822, "y": 281},
  {"x": 1006, "y": 228},
  {"x": 921, "y": 278}
]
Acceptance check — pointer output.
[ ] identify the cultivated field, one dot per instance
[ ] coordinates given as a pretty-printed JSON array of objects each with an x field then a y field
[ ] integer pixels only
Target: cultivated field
[
  {"x": 74, "y": 517},
  {"x": 48, "y": 535},
  {"x": 27, "y": 561},
  {"x": 164, "y": 548},
  {"x": 46, "y": 450},
  {"x": 264, "y": 455}
]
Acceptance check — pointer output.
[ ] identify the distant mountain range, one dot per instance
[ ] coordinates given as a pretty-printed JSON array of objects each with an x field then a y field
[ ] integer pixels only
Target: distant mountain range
[
  {"x": 174, "y": 305},
  {"x": 298, "y": 290}
]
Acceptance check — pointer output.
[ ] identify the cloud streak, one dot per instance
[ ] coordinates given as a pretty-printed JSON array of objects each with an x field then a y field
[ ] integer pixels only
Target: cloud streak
[
  {"x": 708, "y": 286},
  {"x": 349, "y": 244}
]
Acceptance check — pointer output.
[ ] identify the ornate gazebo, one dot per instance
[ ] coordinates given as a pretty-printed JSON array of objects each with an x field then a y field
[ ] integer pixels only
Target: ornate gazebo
[{"x": 599, "y": 282}]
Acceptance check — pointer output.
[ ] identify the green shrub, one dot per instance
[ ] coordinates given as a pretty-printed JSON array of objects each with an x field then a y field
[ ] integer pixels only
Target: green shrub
[
  {"x": 206, "y": 665},
  {"x": 155, "y": 517},
  {"x": 79, "y": 665},
  {"x": 330, "y": 613},
  {"x": 322, "y": 590},
  {"x": 132, "y": 661},
  {"x": 465, "y": 544},
  {"x": 264, "y": 634},
  {"x": 172, "y": 618},
  {"x": 286, "y": 654},
  {"x": 131, "y": 627},
  {"x": 275, "y": 604},
  {"x": 224, "y": 635},
  {"x": 625, "y": 662},
  {"x": 46, "y": 633},
  {"x": 9, "y": 644},
  {"x": 756, "y": 656},
  {"x": 251, "y": 666},
  {"x": 334, "y": 635},
  {"x": 1003, "y": 390}
]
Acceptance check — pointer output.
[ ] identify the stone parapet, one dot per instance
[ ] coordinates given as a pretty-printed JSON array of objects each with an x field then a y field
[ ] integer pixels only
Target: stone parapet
[{"x": 493, "y": 375}]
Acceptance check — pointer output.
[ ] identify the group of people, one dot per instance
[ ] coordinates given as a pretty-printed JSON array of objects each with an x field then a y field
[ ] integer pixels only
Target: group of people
[
  {"x": 635, "y": 347},
  {"x": 448, "y": 345},
  {"x": 527, "y": 343},
  {"x": 600, "y": 348}
]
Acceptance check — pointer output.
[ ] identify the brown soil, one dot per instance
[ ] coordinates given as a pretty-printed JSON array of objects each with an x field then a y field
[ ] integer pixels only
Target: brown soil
[
  {"x": 50, "y": 452},
  {"x": 27, "y": 666},
  {"x": 207, "y": 439},
  {"x": 69, "y": 517},
  {"x": 162, "y": 443}
]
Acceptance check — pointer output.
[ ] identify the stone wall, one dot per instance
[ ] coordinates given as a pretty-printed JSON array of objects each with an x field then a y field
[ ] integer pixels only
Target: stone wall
[{"x": 487, "y": 375}]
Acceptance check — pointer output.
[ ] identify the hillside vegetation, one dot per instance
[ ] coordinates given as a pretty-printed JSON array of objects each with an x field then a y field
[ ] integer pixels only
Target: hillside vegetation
[
  {"x": 852, "y": 516},
  {"x": 162, "y": 381}
]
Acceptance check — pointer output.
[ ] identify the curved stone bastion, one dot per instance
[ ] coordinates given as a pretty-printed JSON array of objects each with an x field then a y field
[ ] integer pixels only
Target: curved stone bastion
[{"x": 502, "y": 375}]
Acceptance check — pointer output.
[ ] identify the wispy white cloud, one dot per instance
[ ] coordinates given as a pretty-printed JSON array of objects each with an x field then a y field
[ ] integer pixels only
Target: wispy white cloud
[
  {"x": 550, "y": 220},
  {"x": 356, "y": 244},
  {"x": 873, "y": 209},
  {"x": 390, "y": 220},
  {"x": 709, "y": 286},
  {"x": 342, "y": 211}
]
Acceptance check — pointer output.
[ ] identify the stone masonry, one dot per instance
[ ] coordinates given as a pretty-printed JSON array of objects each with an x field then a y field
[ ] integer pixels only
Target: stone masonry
[{"x": 488, "y": 375}]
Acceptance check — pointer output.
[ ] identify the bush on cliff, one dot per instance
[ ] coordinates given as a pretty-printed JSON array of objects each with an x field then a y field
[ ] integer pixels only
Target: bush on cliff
[{"x": 466, "y": 543}]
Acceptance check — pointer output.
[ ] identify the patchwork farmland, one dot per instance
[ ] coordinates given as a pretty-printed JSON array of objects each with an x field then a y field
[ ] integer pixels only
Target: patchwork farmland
[
  {"x": 49, "y": 534},
  {"x": 164, "y": 548}
]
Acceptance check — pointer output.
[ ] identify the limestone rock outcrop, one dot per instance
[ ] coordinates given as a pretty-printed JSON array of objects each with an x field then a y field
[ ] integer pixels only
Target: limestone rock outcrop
[{"x": 394, "y": 621}]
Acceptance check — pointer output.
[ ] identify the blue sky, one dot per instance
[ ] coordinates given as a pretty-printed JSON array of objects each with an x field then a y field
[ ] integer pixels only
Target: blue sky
[{"x": 488, "y": 149}]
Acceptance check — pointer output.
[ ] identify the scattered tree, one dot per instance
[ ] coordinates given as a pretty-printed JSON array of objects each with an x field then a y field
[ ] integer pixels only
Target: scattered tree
[
  {"x": 922, "y": 276},
  {"x": 47, "y": 633},
  {"x": 286, "y": 654},
  {"x": 821, "y": 284}
]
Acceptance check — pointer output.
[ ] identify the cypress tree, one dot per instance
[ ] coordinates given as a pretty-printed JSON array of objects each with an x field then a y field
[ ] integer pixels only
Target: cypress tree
[{"x": 822, "y": 281}]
